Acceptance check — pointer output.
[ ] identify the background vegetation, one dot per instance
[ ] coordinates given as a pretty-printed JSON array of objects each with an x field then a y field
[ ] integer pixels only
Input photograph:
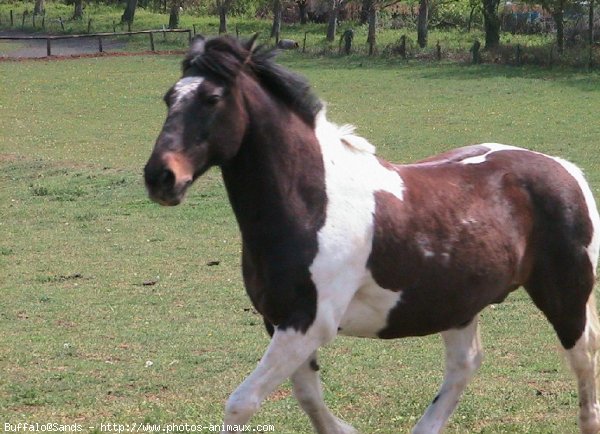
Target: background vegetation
[
  {"x": 109, "y": 311},
  {"x": 527, "y": 32}
]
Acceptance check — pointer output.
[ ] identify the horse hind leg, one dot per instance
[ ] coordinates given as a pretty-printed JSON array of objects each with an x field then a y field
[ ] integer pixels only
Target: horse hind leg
[
  {"x": 573, "y": 314},
  {"x": 583, "y": 359},
  {"x": 308, "y": 392},
  {"x": 463, "y": 357}
]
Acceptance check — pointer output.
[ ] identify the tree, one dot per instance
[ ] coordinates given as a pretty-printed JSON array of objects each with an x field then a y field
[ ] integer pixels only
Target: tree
[
  {"x": 422, "y": 23},
  {"x": 223, "y": 7},
  {"x": 364, "y": 11},
  {"x": 591, "y": 22},
  {"x": 174, "y": 15},
  {"x": 374, "y": 7},
  {"x": 78, "y": 13},
  {"x": 129, "y": 12},
  {"x": 372, "y": 34},
  {"x": 276, "y": 27},
  {"x": 591, "y": 33},
  {"x": 303, "y": 10},
  {"x": 474, "y": 5},
  {"x": 39, "y": 8},
  {"x": 334, "y": 7},
  {"x": 556, "y": 8},
  {"x": 491, "y": 23}
]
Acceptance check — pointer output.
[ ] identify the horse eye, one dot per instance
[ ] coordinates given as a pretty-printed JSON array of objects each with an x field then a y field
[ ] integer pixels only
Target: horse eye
[{"x": 213, "y": 99}]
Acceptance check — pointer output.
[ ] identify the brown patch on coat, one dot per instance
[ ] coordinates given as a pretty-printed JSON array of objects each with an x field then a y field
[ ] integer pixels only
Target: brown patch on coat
[{"x": 467, "y": 235}]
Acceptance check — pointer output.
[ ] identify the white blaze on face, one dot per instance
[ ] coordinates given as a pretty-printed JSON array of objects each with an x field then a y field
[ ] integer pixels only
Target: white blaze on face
[{"x": 184, "y": 89}]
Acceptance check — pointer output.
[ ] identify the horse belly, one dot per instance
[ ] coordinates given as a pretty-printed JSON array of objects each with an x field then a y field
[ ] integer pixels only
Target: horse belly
[{"x": 367, "y": 314}]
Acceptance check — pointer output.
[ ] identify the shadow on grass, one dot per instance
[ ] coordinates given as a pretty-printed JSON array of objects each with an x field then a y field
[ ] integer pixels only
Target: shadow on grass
[{"x": 580, "y": 79}]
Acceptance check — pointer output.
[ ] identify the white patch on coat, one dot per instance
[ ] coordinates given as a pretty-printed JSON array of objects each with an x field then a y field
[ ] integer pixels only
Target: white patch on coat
[
  {"x": 575, "y": 172},
  {"x": 183, "y": 89},
  {"x": 493, "y": 147},
  {"x": 352, "y": 177},
  {"x": 368, "y": 310}
]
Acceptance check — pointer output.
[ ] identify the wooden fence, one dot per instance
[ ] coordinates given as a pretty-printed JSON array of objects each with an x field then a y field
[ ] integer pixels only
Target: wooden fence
[{"x": 99, "y": 36}]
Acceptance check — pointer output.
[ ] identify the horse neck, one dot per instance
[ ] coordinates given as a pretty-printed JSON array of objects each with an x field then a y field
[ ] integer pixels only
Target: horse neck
[{"x": 276, "y": 181}]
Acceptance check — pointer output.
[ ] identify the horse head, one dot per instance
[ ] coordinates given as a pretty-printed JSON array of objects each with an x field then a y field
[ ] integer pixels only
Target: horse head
[{"x": 206, "y": 119}]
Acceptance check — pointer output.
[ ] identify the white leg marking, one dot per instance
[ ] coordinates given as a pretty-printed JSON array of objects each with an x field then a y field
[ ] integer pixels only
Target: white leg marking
[
  {"x": 286, "y": 352},
  {"x": 308, "y": 392},
  {"x": 583, "y": 359},
  {"x": 463, "y": 358}
]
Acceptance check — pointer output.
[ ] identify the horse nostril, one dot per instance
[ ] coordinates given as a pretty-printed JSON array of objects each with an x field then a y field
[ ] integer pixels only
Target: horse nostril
[
  {"x": 159, "y": 177},
  {"x": 167, "y": 178}
]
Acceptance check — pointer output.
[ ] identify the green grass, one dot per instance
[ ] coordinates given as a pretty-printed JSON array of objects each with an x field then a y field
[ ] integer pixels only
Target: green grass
[{"x": 95, "y": 280}]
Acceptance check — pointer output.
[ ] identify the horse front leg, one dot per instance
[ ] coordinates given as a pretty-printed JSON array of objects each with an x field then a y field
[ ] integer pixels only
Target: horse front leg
[
  {"x": 463, "y": 358},
  {"x": 308, "y": 392},
  {"x": 287, "y": 351}
]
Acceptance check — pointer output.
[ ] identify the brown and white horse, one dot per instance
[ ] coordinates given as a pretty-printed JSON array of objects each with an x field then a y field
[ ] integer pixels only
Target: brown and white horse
[{"x": 339, "y": 241}]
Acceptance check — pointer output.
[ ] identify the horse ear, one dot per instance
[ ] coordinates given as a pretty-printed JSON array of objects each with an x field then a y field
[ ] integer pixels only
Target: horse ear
[
  {"x": 197, "y": 44},
  {"x": 250, "y": 44}
]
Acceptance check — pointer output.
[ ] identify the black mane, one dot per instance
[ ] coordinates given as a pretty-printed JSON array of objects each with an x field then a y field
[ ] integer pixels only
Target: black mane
[{"x": 225, "y": 57}]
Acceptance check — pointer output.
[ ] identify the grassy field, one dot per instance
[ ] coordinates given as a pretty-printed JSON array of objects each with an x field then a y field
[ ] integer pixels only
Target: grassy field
[{"x": 110, "y": 313}]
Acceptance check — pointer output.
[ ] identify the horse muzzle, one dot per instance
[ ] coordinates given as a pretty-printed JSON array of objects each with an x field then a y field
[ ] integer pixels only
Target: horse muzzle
[{"x": 167, "y": 180}]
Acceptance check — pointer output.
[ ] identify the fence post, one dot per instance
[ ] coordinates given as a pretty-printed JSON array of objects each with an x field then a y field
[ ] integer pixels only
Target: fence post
[
  {"x": 89, "y": 25},
  {"x": 23, "y": 20},
  {"x": 33, "y": 20},
  {"x": 475, "y": 53},
  {"x": 62, "y": 24},
  {"x": 129, "y": 26},
  {"x": 438, "y": 51},
  {"x": 48, "y": 47},
  {"x": 100, "y": 49},
  {"x": 189, "y": 32},
  {"x": 304, "y": 43},
  {"x": 402, "y": 47},
  {"x": 44, "y": 22},
  {"x": 194, "y": 26},
  {"x": 151, "y": 41},
  {"x": 12, "y": 21},
  {"x": 114, "y": 27}
]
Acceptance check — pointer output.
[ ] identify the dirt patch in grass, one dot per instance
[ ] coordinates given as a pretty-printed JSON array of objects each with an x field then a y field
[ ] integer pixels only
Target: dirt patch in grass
[
  {"x": 9, "y": 58},
  {"x": 11, "y": 50}
]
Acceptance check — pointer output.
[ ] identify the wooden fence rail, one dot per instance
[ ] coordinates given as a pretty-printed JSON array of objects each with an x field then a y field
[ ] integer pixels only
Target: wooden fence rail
[{"x": 50, "y": 38}]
